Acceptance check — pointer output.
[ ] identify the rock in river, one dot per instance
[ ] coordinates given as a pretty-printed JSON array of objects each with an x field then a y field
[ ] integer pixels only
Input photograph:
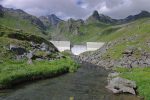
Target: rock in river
[{"x": 121, "y": 85}]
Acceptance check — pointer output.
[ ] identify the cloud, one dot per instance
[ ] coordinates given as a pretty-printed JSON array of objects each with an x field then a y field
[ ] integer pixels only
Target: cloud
[{"x": 79, "y": 8}]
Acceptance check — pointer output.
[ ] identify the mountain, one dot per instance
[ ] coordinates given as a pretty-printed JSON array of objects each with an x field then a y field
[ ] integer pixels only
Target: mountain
[
  {"x": 50, "y": 20},
  {"x": 71, "y": 26},
  {"x": 50, "y": 26},
  {"x": 127, "y": 45},
  {"x": 96, "y": 18},
  {"x": 18, "y": 19},
  {"x": 142, "y": 14},
  {"x": 97, "y": 27},
  {"x": 23, "y": 15}
]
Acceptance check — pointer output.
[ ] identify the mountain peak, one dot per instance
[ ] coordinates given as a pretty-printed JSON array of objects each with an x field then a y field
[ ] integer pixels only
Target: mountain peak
[
  {"x": 144, "y": 13},
  {"x": 52, "y": 16},
  {"x": 50, "y": 20},
  {"x": 53, "y": 19},
  {"x": 96, "y": 17},
  {"x": 95, "y": 14}
]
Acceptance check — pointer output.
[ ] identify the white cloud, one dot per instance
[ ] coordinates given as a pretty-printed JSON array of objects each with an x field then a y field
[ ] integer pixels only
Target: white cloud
[{"x": 79, "y": 8}]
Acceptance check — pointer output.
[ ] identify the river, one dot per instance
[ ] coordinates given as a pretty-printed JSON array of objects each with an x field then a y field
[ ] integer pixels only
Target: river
[{"x": 88, "y": 83}]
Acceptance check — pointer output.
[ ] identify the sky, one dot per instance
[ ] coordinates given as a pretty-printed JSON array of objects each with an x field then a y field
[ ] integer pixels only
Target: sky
[{"x": 79, "y": 9}]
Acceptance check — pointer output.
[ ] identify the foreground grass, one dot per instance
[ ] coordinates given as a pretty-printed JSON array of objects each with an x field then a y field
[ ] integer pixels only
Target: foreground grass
[
  {"x": 14, "y": 72},
  {"x": 142, "y": 78}
]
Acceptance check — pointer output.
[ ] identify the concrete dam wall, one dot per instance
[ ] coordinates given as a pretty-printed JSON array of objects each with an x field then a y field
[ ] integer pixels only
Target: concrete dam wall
[
  {"x": 77, "y": 49},
  {"x": 92, "y": 46},
  {"x": 61, "y": 45}
]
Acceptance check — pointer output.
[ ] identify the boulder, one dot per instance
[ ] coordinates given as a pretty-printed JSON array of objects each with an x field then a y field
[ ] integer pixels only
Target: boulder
[
  {"x": 44, "y": 47},
  {"x": 17, "y": 50},
  {"x": 121, "y": 85},
  {"x": 30, "y": 54}
]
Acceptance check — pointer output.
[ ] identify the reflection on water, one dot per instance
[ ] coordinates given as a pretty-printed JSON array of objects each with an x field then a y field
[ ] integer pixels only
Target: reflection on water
[{"x": 88, "y": 83}]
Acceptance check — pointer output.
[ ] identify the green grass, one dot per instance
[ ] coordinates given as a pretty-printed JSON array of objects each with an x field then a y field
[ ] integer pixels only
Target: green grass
[
  {"x": 142, "y": 78},
  {"x": 106, "y": 33},
  {"x": 90, "y": 32},
  {"x": 139, "y": 28},
  {"x": 18, "y": 23},
  {"x": 12, "y": 72}
]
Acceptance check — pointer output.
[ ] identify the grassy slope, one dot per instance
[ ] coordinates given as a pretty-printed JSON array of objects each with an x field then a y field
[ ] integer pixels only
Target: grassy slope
[
  {"x": 90, "y": 32},
  {"x": 138, "y": 28},
  {"x": 15, "y": 72},
  {"x": 106, "y": 33},
  {"x": 142, "y": 78},
  {"x": 16, "y": 22},
  {"x": 141, "y": 29}
]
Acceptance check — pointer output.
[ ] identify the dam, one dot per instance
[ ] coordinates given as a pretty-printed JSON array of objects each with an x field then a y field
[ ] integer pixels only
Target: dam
[{"x": 77, "y": 49}]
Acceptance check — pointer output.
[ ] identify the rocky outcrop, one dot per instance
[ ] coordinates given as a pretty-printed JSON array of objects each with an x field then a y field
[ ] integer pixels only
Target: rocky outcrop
[
  {"x": 142, "y": 14},
  {"x": 71, "y": 26},
  {"x": 34, "y": 39},
  {"x": 96, "y": 17},
  {"x": 17, "y": 50},
  {"x": 37, "y": 52},
  {"x": 33, "y": 48},
  {"x": 50, "y": 20},
  {"x": 132, "y": 56},
  {"x": 120, "y": 85},
  {"x": 135, "y": 57}
]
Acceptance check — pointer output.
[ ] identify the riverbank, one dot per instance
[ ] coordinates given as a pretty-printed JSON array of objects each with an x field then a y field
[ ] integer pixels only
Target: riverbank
[
  {"x": 87, "y": 83},
  {"x": 16, "y": 72},
  {"x": 142, "y": 78}
]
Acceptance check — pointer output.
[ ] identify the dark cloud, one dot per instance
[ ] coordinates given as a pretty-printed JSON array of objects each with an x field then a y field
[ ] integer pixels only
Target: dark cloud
[{"x": 79, "y": 8}]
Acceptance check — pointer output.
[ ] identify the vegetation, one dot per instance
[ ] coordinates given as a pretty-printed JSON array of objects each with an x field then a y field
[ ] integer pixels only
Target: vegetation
[
  {"x": 14, "y": 21},
  {"x": 142, "y": 78},
  {"x": 14, "y": 72},
  {"x": 134, "y": 34}
]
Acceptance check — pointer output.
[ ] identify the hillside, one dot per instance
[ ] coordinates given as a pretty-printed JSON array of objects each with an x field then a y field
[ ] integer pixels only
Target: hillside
[
  {"x": 98, "y": 27},
  {"x": 18, "y": 19},
  {"x": 125, "y": 45}
]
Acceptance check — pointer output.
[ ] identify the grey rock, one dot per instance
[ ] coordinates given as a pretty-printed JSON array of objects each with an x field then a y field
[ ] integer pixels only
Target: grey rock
[
  {"x": 17, "y": 50},
  {"x": 121, "y": 85},
  {"x": 30, "y": 54},
  {"x": 44, "y": 47}
]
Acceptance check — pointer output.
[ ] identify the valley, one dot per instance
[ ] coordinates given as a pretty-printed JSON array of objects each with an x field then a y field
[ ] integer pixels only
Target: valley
[{"x": 28, "y": 54}]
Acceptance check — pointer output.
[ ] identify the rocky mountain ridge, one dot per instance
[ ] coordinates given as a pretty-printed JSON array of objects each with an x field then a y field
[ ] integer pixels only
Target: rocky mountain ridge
[
  {"x": 50, "y": 20},
  {"x": 23, "y": 15},
  {"x": 96, "y": 17},
  {"x": 71, "y": 26}
]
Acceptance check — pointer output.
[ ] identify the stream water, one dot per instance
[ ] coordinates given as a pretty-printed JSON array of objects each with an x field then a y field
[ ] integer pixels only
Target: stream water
[{"x": 88, "y": 83}]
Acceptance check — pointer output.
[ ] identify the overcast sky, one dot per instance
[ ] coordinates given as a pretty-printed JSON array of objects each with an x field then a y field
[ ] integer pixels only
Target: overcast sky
[{"x": 79, "y": 8}]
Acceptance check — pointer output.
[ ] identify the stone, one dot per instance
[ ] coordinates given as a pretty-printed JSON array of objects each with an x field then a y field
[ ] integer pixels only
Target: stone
[
  {"x": 29, "y": 61},
  {"x": 44, "y": 47},
  {"x": 18, "y": 50},
  {"x": 30, "y": 55},
  {"x": 121, "y": 85},
  {"x": 148, "y": 61}
]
